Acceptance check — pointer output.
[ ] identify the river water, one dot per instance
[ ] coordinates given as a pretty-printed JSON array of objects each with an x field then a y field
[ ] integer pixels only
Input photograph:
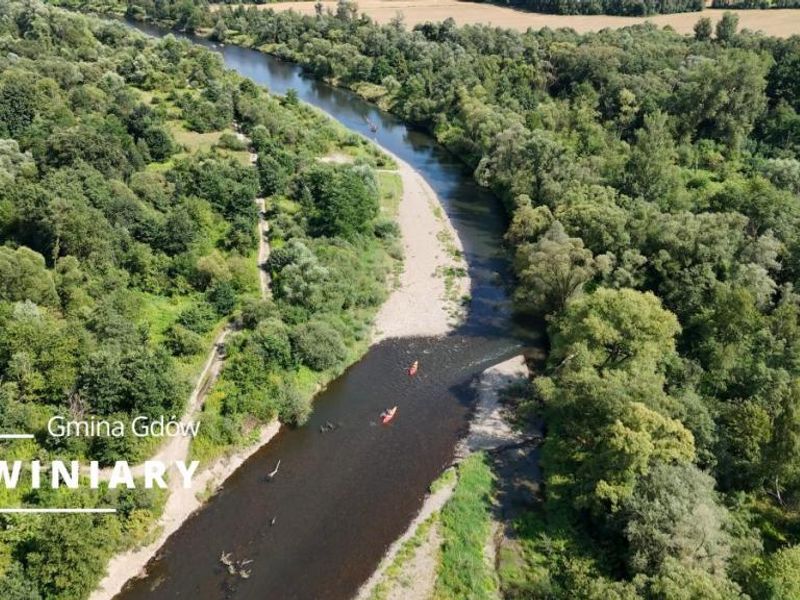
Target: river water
[{"x": 341, "y": 498}]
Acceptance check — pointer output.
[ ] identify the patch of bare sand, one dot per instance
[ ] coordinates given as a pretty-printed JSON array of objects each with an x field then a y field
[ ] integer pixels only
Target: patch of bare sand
[
  {"x": 417, "y": 577},
  {"x": 777, "y": 22},
  {"x": 337, "y": 158},
  {"x": 422, "y": 305},
  {"x": 489, "y": 428}
]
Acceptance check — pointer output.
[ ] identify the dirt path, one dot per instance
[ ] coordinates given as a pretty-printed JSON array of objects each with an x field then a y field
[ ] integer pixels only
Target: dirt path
[
  {"x": 263, "y": 250},
  {"x": 777, "y": 22}
]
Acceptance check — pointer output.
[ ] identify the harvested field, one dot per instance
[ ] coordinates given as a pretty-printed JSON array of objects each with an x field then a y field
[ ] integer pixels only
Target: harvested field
[{"x": 777, "y": 22}]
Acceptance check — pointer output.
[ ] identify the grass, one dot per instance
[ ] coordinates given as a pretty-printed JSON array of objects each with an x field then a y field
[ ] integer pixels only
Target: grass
[
  {"x": 465, "y": 528},
  {"x": 194, "y": 142},
  {"x": 391, "y": 191},
  {"x": 446, "y": 479},
  {"x": 405, "y": 554}
]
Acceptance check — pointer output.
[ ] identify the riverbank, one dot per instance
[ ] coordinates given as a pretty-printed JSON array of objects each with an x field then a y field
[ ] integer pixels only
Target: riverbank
[
  {"x": 429, "y": 299},
  {"x": 410, "y": 566}
]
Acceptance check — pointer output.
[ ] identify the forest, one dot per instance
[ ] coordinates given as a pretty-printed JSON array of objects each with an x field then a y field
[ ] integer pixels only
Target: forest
[
  {"x": 128, "y": 241},
  {"x": 652, "y": 182}
]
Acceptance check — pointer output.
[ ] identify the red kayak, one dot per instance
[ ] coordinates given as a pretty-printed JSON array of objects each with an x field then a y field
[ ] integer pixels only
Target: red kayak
[{"x": 388, "y": 415}]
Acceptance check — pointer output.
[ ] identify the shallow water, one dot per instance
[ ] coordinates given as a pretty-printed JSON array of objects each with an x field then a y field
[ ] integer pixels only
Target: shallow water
[{"x": 341, "y": 497}]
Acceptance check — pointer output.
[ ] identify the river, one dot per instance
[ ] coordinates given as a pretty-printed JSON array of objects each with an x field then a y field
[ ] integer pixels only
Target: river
[{"x": 341, "y": 498}]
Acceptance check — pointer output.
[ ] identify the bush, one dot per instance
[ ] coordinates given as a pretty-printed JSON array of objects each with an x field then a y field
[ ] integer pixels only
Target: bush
[
  {"x": 199, "y": 318},
  {"x": 387, "y": 229},
  {"x": 271, "y": 341},
  {"x": 222, "y": 297},
  {"x": 295, "y": 407},
  {"x": 230, "y": 141},
  {"x": 182, "y": 341},
  {"x": 255, "y": 311},
  {"x": 318, "y": 345}
]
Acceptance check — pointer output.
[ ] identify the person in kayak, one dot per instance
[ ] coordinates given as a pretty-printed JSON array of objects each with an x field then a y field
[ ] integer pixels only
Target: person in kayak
[
  {"x": 412, "y": 370},
  {"x": 388, "y": 414}
]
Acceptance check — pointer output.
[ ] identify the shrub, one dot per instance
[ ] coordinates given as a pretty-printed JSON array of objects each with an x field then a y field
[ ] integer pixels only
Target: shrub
[
  {"x": 318, "y": 345},
  {"x": 222, "y": 297},
  {"x": 199, "y": 318},
  {"x": 255, "y": 311},
  {"x": 230, "y": 141},
  {"x": 387, "y": 229},
  {"x": 295, "y": 407},
  {"x": 271, "y": 341},
  {"x": 182, "y": 341}
]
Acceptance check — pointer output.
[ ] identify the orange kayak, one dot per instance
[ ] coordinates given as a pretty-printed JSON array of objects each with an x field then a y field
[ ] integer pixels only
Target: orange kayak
[{"x": 388, "y": 415}]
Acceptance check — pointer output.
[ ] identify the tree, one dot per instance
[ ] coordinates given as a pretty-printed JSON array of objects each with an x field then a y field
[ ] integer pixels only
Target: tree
[
  {"x": 183, "y": 341},
  {"x": 342, "y": 199},
  {"x": 273, "y": 176},
  {"x": 271, "y": 341},
  {"x": 553, "y": 270},
  {"x": 726, "y": 27},
  {"x": 24, "y": 276},
  {"x": 779, "y": 575},
  {"x": 317, "y": 345},
  {"x": 673, "y": 513},
  {"x": 677, "y": 582},
  {"x": 527, "y": 223},
  {"x": 19, "y": 102},
  {"x": 619, "y": 329},
  {"x": 220, "y": 31},
  {"x": 222, "y": 296},
  {"x": 199, "y": 318},
  {"x": 627, "y": 450},
  {"x": 67, "y": 556},
  {"x": 12, "y": 160},
  {"x": 721, "y": 98},
  {"x": 651, "y": 171},
  {"x": 594, "y": 214},
  {"x": 702, "y": 30},
  {"x": 17, "y": 586}
]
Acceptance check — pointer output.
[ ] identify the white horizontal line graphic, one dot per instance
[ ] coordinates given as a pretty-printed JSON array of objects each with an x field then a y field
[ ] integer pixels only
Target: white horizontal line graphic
[{"x": 58, "y": 510}]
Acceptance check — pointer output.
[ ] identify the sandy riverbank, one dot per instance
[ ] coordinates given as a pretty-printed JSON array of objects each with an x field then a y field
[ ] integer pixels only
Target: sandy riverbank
[
  {"x": 422, "y": 304},
  {"x": 777, "y": 22},
  {"x": 415, "y": 578}
]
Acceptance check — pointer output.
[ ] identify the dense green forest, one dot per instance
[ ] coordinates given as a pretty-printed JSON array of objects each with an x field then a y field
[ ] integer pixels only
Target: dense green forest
[
  {"x": 128, "y": 240},
  {"x": 653, "y": 183}
]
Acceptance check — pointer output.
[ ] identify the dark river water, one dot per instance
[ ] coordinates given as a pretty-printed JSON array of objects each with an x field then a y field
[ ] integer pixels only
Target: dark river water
[{"x": 342, "y": 497}]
